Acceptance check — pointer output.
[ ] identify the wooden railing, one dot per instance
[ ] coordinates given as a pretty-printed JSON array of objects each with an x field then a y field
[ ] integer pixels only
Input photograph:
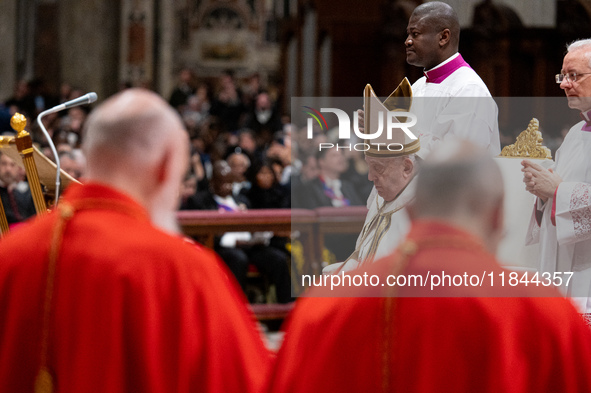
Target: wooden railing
[{"x": 308, "y": 226}]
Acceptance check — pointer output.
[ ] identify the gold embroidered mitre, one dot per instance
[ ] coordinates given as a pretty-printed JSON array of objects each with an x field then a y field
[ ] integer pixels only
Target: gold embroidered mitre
[
  {"x": 397, "y": 142},
  {"x": 528, "y": 144}
]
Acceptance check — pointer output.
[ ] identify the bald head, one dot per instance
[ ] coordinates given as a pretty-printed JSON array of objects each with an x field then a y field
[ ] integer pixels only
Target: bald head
[
  {"x": 433, "y": 34},
  {"x": 461, "y": 184},
  {"x": 136, "y": 143},
  {"x": 441, "y": 16},
  {"x": 130, "y": 126}
]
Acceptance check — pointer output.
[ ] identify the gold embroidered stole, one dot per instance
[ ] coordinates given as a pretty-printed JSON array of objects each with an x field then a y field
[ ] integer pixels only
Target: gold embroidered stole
[{"x": 379, "y": 226}]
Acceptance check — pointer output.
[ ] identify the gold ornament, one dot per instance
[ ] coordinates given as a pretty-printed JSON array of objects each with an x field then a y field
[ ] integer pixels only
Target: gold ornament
[
  {"x": 5, "y": 141},
  {"x": 528, "y": 144},
  {"x": 44, "y": 381},
  {"x": 18, "y": 122}
]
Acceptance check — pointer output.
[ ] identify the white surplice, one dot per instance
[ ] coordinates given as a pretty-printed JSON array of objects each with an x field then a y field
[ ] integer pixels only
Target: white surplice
[
  {"x": 565, "y": 244},
  {"x": 460, "y": 105}
]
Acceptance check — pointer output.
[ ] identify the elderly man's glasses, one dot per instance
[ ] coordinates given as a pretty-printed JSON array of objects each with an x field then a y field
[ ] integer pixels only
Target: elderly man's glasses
[{"x": 570, "y": 77}]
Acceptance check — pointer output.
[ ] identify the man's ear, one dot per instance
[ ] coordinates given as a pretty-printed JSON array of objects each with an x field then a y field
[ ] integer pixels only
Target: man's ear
[
  {"x": 444, "y": 37},
  {"x": 163, "y": 167},
  {"x": 408, "y": 166}
]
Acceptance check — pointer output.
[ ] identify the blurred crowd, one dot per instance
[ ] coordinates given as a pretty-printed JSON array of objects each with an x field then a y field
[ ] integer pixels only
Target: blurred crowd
[
  {"x": 245, "y": 154},
  {"x": 238, "y": 122}
]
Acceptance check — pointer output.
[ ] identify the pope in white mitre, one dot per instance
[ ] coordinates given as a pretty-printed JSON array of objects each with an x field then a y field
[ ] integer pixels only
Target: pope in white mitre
[
  {"x": 561, "y": 222},
  {"x": 392, "y": 164}
]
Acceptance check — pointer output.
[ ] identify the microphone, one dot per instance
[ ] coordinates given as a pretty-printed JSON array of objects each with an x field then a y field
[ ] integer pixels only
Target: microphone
[{"x": 83, "y": 100}]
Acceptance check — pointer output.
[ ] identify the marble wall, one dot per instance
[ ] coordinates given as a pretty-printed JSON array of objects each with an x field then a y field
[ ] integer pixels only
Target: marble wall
[{"x": 8, "y": 42}]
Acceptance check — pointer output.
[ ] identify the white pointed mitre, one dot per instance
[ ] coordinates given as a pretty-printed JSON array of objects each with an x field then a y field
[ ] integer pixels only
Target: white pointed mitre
[{"x": 400, "y": 143}]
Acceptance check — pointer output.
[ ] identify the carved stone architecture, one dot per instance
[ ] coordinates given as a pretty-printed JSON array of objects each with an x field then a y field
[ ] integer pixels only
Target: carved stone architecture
[
  {"x": 306, "y": 47},
  {"x": 100, "y": 44}
]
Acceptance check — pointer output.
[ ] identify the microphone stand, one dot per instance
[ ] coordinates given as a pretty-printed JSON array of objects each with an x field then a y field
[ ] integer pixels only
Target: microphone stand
[
  {"x": 53, "y": 150},
  {"x": 85, "y": 99}
]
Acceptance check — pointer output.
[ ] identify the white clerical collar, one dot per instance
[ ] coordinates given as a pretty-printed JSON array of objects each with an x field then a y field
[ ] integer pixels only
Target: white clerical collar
[
  {"x": 228, "y": 203},
  {"x": 444, "y": 62},
  {"x": 332, "y": 183}
]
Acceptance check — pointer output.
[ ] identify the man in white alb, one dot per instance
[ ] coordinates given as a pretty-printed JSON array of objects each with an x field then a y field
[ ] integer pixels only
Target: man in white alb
[
  {"x": 450, "y": 101},
  {"x": 562, "y": 216}
]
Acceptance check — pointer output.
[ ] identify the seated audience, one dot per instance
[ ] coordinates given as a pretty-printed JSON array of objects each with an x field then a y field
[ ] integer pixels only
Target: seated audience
[
  {"x": 248, "y": 145},
  {"x": 183, "y": 90},
  {"x": 188, "y": 193},
  {"x": 328, "y": 189},
  {"x": 71, "y": 164},
  {"x": 239, "y": 164},
  {"x": 16, "y": 195},
  {"x": 227, "y": 106},
  {"x": 357, "y": 172},
  {"x": 238, "y": 250},
  {"x": 264, "y": 119},
  {"x": 265, "y": 191},
  {"x": 279, "y": 152}
]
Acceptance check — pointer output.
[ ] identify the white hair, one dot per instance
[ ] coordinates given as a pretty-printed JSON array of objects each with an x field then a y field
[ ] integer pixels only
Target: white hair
[
  {"x": 581, "y": 44},
  {"x": 578, "y": 44},
  {"x": 412, "y": 157}
]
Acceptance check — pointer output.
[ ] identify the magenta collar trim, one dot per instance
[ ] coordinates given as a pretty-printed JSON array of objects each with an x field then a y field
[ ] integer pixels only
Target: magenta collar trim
[
  {"x": 587, "y": 117},
  {"x": 439, "y": 74}
]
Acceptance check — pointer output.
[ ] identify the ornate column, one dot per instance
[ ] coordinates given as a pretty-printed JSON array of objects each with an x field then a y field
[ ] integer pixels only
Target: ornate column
[
  {"x": 88, "y": 42},
  {"x": 137, "y": 45},
  {"x": 166, "y": 33},
  {"x": 8, "y": 29}
]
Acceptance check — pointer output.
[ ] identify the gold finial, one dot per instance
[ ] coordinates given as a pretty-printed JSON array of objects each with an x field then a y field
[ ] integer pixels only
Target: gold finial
[
  {"x": 18, "y": 122},
  {"x": 6, "y": 140},
  {"x": 528, "y": 144}
]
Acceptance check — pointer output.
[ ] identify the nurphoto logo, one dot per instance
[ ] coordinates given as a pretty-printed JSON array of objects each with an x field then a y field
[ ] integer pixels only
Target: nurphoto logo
[{"x": 396, "y": 123}]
